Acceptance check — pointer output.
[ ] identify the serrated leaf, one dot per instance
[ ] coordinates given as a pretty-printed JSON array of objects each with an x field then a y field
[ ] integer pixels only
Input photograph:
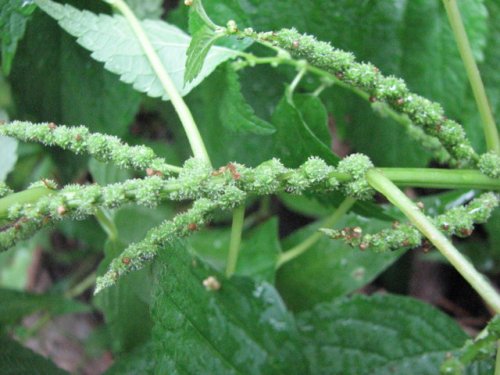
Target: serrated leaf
[
  {"x": 224, "y": 143},
  {"x": 14, "y": 14},
  {"x": 8, "y": 156},
  {"x": 377, "y": 335},
  {"x": 113, "y": 42},
  {"x": 203, "y": 39},
  {"x": 16, "y": 305},
  {"x": 81, "y": 92},
  {"x": 242, "y": 328},
  {"x": 144, "y": 9},
  {"x": 329, "y": 269},
  {"x": 15, "y": 359},
  {"x": 235, "y": 112}
]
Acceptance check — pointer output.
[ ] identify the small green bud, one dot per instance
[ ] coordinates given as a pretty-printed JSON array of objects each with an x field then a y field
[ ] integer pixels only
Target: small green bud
[
  {"x": 489, "y": 164},
  {"x": 356, "y": 166}
]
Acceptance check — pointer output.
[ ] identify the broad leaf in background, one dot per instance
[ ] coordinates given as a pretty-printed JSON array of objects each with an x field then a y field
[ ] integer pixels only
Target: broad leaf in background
[
  {"x": 113, "y": 42},
  {"x": 330, "y": 268},
  {"x": 16, "y": 305},
  {"x": 146, "y": 9},
  {"x": 377, "y": 335},
  {"x": 8, "y": 156},
  {"x": 241, "y": 328},
  {"x": 139, "y": 361},
  {"x": 131, "y": 296},
  {"x": 259, "y": 250},
  {"x": 15, "y": 359},
  {"x": 295, "y": 139},
  {"x": 447, "y": 83},
  {"x": 14, "y": 14},
  {"x": 301, "y": 132},
  {"x": 490, "y": 75},
  {"x": 72, "y": 88}
]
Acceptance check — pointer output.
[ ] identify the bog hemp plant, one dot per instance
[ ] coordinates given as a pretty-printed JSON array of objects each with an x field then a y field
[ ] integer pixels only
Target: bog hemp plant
[{"x": 228, "y": 187}]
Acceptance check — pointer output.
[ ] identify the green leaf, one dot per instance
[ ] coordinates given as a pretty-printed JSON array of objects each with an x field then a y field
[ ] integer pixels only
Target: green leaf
[
  {"x": 8, "y": 156},
  {"x": 203, "y": 32},
  {"x": 259, "y": 250},
  {"x": 104, "y": 173},
  {"x": 483, "y": 347},
  {"x": 203, "y": 39},
  {"x": 14, "y": 15},
  {"x": 125, "y": 307},
  {"x": 131, "y": 296},
  {"x": 228, "y": 142},
  {"x": 138, "y": 361},
  {"x": 113, "y": 42},
  {"x": 242, "y": 328},
  {"x": 16, "y": 305},
  {"x": 329, "y": 269},
  {"x": 382, "y": 334},
  {"x": 81, "y": 92},
  {"x": 296, "y": 140},
  {"x": 15, "y": 360},
  {"x": 144, "y": 9},
  {"x": 235, "y": 112}
]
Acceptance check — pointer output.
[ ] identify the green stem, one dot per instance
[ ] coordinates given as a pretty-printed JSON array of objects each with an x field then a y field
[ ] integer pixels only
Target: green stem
[
  {"x": 106, "y": 222},
  {"x": 383, "y": 185},
  {"x": 192, "y": 132},
  {"x": 302, "y": 247},
  {"x": 23, "y": 197},
  {"x": 440, "y": 178},
  {"x": 489, "y": 126},
  {"x": 234, "y": 245},
  {"x": 82, "y": 286}
]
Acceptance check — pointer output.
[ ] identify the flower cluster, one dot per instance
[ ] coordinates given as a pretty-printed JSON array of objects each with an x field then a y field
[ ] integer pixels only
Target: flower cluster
[
  {"x": 392, "y": 91},
  {"x": 457, "y": 221},
  {"x": 79, "y": 140}
]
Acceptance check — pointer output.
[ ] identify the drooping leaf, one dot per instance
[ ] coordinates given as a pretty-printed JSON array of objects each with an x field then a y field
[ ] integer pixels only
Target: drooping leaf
[
  {"x": 71, "y": 87},
  {"x": 16, "y": 305},
  {"x": 113, "y": 42},
  {"x": 14, "y": 14},
  {"x": 241, "y": 328},
  {"x": 377, "y": 335},
  {"x": 329, "y": 269},
  {"x": 8, "y": 156},
  {"x": 15, "y": 359}
]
